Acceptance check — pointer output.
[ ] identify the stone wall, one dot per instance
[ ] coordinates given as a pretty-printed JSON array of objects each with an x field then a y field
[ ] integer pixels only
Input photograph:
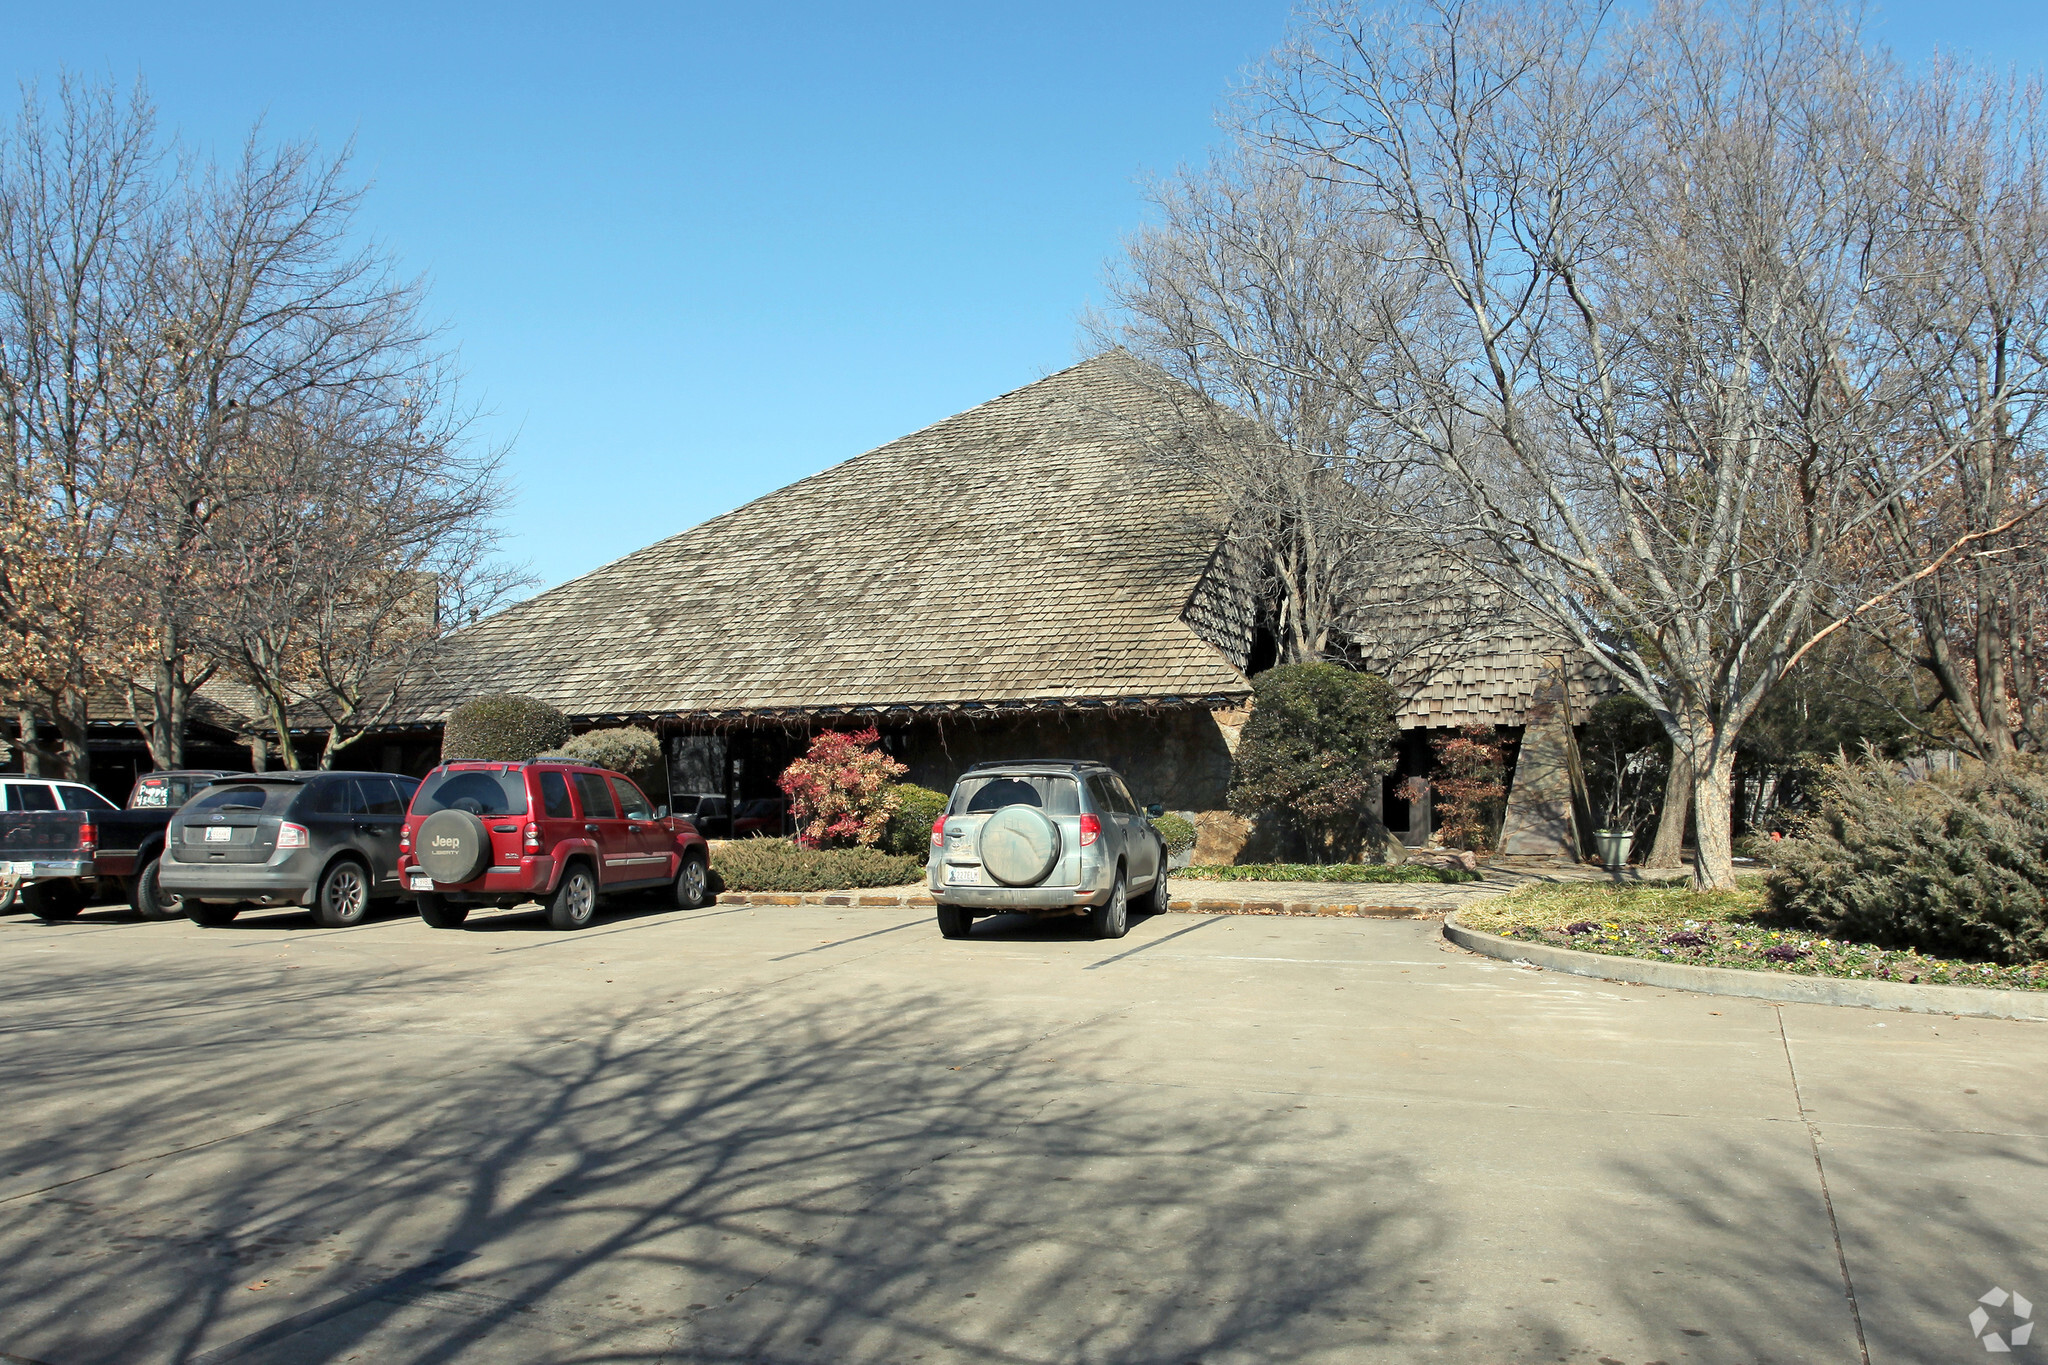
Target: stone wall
[{"x": 1180, "y": 757}]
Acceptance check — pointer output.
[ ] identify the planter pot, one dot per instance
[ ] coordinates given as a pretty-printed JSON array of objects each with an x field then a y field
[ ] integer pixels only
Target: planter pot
[{"x": 1614, "y": 845}]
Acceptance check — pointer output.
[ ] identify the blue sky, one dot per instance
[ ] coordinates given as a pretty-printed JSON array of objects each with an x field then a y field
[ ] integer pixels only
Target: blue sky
[{"x": 692, "y": 252}]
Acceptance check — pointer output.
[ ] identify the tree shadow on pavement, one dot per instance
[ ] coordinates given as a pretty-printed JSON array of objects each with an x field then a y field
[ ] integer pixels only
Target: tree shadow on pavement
[{"x": 895, "y": 1177}]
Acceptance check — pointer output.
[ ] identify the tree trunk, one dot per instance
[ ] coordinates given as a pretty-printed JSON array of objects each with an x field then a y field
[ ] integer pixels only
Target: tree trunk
[
  {"x": 74, "y": 759},
  {"x": 32, "y": 753},
  {"x": 1713, "y": 866},
  {"x": 1669, "y": 848}
]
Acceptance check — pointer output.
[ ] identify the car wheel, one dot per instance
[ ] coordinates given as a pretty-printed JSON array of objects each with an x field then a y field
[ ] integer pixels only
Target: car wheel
[
  {"x": 53, "y": 902},
  {"x": 574, "y": 903},
  {"x": 954, "y": 921},
  {"x": 212, "y": 916},
  {"x": 150, "y": 900},
  {"x": 1112, "y": 919},
  {"x": 438, "y": 912},
  {"x": 1155, "y": 900},
  {"x": 344, "y": 896},
  {"x": 693, "y": 884},
  {"x": 7, "y": 899}
]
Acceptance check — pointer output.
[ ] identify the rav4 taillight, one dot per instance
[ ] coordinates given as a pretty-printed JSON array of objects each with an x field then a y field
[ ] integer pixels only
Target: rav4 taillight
[
  {"x": 88, "y": 838},
  {"x": 938, "y": 831},
  {"x": 292, "y": 836},
  {"x": 532, "y": 837},
  {"x": 405, "y": 838},
  {"x": 1091, "y": 830}
]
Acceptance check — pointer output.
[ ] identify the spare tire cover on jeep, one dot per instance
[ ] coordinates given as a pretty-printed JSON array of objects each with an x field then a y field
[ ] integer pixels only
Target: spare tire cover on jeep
[
  {"x": 1019, "y": 845},
  {"x": 453, "y": 846}
]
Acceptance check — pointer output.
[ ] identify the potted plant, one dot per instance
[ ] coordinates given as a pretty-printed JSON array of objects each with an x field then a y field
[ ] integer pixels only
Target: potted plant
[{"x": 1614, "y": 845}]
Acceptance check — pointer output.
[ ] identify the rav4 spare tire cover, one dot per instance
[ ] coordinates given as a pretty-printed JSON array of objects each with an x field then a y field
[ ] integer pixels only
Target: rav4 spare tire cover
[
  {"x": 1019, "y": 845},
  {"x": 453, "y": 846}
]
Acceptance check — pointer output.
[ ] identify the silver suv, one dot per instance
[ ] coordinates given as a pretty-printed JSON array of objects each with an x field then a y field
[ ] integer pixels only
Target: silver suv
[{"x": 1046, "y": 838}]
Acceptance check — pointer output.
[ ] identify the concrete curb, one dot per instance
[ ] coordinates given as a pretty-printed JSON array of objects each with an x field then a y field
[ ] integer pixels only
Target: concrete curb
[
  {"x": 1977, "y": 1002},
  {"x": 917, "y": 901}
]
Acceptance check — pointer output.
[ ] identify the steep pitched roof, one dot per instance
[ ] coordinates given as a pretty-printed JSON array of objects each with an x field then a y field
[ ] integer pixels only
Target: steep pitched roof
[{"x": 1027, "y": 551}]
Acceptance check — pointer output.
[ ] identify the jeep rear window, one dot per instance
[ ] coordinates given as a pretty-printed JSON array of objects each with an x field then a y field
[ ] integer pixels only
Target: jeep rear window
[
  {"x": 978, "y": 795},
  {"x": 246, "y": 796},
  {"x": 477, "y": 791}
]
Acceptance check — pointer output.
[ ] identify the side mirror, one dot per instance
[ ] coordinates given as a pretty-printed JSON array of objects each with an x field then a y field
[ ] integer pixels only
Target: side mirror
[
  {"x": 1156, "y": 809},
  {"x": 661, "y": 812}
]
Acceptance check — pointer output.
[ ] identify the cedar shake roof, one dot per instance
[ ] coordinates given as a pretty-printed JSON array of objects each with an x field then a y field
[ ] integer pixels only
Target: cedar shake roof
[{"x": 1027, "y": 552}]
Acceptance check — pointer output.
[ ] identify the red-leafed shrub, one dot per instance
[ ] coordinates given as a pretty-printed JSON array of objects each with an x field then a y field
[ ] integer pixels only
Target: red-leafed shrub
[
  {"x": 1469, "y": 788},
  {"x": 840, "y": 791}
]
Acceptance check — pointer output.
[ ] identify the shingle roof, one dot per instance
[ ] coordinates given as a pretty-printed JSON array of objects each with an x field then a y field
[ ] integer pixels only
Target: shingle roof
[{"x": 1027, "y": 551}]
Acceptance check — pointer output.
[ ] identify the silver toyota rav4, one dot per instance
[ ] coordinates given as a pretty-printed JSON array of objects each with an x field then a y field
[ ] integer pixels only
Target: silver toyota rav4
[{"x": 1046, "y": 838}]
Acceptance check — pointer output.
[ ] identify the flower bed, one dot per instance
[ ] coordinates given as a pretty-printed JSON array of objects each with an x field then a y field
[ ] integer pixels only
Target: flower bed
[
  {"x": 1716, "y": 929},
  {"x": 1327, "y": 872}
]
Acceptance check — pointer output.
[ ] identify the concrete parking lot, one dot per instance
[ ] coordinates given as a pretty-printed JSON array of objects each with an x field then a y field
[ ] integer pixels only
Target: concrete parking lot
[{"x": 822, "y": 1134}]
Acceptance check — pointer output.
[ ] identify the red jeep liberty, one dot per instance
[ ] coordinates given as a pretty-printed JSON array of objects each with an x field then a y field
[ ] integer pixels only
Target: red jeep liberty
[{"x": 557, "y": 832}]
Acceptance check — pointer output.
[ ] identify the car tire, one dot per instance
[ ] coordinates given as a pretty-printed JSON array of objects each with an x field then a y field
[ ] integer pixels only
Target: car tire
[
  {"x": 212, "y": 916},
  {"x": 343, "y": 898},
  {"x": 1112, "y": 918},
  {"x": 574, "y": 903},
  {"x": 693, "y": 883},
  {"x": 954, "y": 921},
  {"x": 148, "y": 898},
  {"x": 53, "y": 902},
  {"x": 8, "y": 898},
  {"x": 1154, "y": 901},
  {"x": 438, "y": 912}
]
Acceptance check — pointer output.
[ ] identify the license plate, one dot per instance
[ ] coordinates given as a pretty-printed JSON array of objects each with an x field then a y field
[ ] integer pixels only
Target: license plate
[
  {"x": 22, "y": 869},
  {"x": 218, "y": 834},
  {"x": 420, "y": 882},
  {"x": 963, "y": 876}
]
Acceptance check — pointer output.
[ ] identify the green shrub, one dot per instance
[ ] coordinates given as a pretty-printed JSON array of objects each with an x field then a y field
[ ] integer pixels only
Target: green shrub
[
  {"x": 1319, "y": 740},
  {"x": 629, "y": 750},
  {"x": 1953, "y": 864},
  {"x": 910, "y": 824},
  {"x": 503, "y": 728},
  {"x": 779, "y": 865},
  {"x": 1177, "y": 830}
]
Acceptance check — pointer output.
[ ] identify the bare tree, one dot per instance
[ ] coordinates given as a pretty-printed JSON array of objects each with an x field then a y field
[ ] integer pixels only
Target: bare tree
[
  {"x": 1650, "y": 349},
  {"x": 77, "y": 190},
  {"x": 1260, "y": 292}
]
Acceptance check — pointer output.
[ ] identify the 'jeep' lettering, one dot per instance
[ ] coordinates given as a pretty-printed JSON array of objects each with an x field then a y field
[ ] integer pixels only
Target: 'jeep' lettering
[{"x": 443, "y": 841}]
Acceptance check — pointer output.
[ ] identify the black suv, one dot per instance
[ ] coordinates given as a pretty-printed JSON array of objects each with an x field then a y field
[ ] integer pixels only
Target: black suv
[{"x": 322, "y": 839}]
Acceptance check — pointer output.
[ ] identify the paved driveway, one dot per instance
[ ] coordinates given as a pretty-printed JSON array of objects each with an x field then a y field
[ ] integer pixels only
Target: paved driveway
[{"x": 824, "y": 1134}]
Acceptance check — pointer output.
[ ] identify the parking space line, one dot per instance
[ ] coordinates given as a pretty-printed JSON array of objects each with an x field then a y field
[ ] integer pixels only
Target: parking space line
[
  {"x": 1153, "y": 944},
  {"x": 908, "y": 924}
]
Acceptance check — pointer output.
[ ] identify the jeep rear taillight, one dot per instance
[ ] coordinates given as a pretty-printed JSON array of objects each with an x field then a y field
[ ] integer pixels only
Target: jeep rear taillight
[
  {"x": 88, "y": 838},
  {"x": 292, "y": 836},
  {"x": 532, "y": 837},
  {"x": 1091, "y": 830},
  {"x": 938, "y": 831}
]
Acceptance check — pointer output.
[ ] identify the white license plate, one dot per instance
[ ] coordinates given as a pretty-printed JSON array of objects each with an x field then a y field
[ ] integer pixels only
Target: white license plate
[
  {"x": 963, "y": 876},
  {"x": 218, "y": 834},
  {"x": 420, "y": 882},
  {"x": 22, "y": 869}
]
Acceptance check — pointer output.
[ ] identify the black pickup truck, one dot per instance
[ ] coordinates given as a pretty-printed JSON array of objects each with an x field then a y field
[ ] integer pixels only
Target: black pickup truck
[{"x": 61, "y": 861}]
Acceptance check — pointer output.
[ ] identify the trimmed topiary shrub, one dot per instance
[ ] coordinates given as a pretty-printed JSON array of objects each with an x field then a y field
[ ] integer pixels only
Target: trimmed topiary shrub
[
  {"x": 501, "y": 727},
  {"x": 780, "y": 865},
  {"x": 910, "y": 825},
  {"x": 629, "y": 750},
  {"x": 1318, "y": 742},
  {"x": 1177, "y": 830},
  {"x": 1954, "y": 864}
]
